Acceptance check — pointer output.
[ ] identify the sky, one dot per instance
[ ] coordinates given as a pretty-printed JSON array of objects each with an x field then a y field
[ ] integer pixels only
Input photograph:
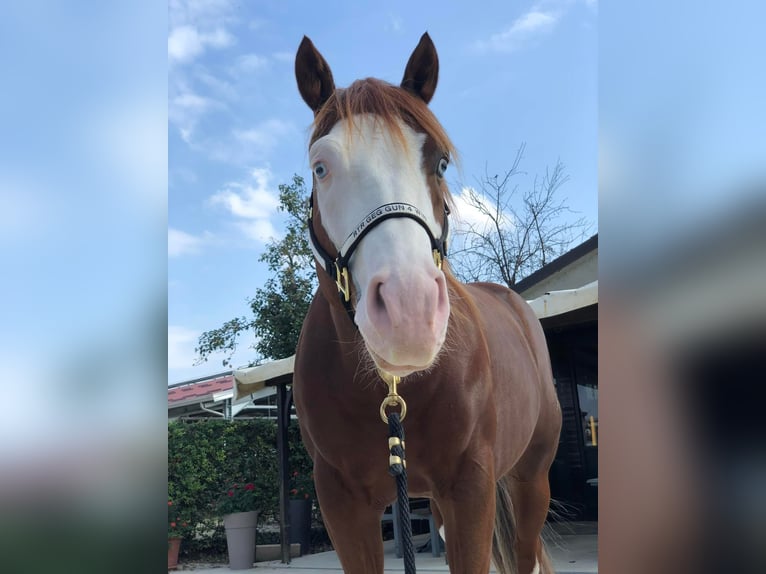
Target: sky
[{"x": 511, "y": 73}]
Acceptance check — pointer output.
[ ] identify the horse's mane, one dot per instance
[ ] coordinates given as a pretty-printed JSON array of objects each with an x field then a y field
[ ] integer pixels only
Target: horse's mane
[
  {"x": 389, "y": 103},
  {"x": 462, "y": 305}
]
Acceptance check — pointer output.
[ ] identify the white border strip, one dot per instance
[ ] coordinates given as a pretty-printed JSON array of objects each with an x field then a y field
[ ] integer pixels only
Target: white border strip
[{"x": 559, "y": 302}]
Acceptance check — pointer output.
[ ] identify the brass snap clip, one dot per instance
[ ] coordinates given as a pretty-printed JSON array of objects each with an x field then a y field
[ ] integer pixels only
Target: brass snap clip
[{"x": 393, "y": 399}]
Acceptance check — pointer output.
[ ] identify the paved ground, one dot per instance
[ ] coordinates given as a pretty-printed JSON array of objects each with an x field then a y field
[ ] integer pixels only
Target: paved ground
[{"x": 573, "y": 550}]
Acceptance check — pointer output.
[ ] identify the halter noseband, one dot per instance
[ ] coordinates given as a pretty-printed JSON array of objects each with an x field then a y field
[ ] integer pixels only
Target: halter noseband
[{"x": 337, "y": 268}]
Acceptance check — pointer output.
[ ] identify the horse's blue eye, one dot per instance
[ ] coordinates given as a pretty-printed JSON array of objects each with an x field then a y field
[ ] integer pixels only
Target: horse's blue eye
[
  {"x": 442, "y": 167},
  {"x": 320, "y": 170}
]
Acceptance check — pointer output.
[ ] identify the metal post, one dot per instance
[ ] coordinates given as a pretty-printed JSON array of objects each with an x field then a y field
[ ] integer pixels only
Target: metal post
[{"x": 283, "y": 454}]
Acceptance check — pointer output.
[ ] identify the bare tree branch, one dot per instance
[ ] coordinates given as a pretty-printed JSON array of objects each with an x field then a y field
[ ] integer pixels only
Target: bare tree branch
[{"x": 520, "y": 235}]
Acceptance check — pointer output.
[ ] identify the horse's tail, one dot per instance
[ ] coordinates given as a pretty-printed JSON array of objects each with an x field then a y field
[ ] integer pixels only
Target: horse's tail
[
  {"x": 546, "y": 565},
  {"x": 504, "y": 536}
]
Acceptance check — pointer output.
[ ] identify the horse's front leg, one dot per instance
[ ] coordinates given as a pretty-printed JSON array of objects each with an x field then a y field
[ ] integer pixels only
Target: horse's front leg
[
  {"x": 467, "y": 506},
  {"x": 352, "y": 521}
]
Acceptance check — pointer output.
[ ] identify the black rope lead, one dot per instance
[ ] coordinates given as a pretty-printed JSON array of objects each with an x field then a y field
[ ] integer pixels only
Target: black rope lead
[{"x": 398, "y": 469}]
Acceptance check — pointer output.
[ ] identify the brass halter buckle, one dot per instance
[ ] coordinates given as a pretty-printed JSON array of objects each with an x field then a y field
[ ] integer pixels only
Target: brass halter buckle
[
  {"x": 438, "y": 259},
  {"x": 341, "y": 280},
  {"x": 393, "y": 399}
]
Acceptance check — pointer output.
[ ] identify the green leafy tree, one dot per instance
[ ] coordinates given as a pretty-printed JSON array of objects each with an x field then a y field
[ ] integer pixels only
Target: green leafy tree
[{"x": 279, "y": 307}]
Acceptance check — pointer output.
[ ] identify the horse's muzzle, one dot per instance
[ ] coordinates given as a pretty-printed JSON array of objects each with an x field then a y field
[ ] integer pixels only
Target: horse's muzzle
[{"x": 404, "y": 318}]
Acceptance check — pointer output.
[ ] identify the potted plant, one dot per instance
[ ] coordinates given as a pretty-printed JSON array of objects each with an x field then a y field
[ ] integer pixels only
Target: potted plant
[
  {"x": 300, "y": 507},
  {"x": 177, "y": 527},
  {"x": 237, "y": 506}
]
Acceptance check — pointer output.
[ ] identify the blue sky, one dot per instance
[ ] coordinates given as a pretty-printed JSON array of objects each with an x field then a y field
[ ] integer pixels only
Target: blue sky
[{"x": 510, "y": 73}]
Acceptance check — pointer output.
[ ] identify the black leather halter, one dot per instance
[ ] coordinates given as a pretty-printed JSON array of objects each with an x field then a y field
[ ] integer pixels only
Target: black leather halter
[{"x": 338, "y": 268}]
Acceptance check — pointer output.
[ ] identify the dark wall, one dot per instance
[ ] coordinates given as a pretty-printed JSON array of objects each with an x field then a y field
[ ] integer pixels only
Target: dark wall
[{"x": 574, "y": 358}]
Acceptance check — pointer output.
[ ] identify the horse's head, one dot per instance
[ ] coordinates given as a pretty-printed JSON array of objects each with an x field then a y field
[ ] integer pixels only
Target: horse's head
[{"x": 379, "y": 225}]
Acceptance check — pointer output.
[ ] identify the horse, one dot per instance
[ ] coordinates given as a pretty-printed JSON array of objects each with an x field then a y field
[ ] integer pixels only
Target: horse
[{"x": 483, "y": 418}]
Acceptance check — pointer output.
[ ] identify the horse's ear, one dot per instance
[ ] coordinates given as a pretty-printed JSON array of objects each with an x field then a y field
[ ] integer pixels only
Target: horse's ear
[
  {"x": 422, "y": 71},
  {"x": 313, "y": 74}
]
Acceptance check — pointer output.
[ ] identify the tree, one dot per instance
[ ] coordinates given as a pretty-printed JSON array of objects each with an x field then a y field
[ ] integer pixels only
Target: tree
[
  {"x": 504, "y": 242},
  {"x": 279, "y": 307}
]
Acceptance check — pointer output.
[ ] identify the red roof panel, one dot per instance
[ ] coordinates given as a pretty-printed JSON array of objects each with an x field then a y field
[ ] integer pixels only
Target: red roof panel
[{"x": 201, "y": 390}]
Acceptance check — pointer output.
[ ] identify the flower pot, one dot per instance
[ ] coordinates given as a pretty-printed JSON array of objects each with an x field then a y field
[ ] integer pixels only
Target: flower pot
[
  {"x": 240, "y": 538},
  {"x": 174, "y": 545},
  {"x": 300, "y": 523}
]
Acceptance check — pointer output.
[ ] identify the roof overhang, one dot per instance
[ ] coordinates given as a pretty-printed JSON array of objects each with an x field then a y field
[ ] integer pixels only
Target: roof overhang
[
  {"x": 560, "y": 302},
  {"x": 256, "y": 380}
]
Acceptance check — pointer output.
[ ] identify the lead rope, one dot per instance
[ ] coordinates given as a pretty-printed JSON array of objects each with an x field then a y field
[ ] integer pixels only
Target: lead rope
[{"x": 397, "y": 466}]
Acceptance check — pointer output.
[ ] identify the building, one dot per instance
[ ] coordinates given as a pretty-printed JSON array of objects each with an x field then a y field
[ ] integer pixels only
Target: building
[{"x": 564, "y": 294}]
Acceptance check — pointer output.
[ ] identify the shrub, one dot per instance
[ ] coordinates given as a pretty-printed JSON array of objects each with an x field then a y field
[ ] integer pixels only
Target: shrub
[
  {"x": 207, "y": 456},
  {"x": 238, "y": 498}
]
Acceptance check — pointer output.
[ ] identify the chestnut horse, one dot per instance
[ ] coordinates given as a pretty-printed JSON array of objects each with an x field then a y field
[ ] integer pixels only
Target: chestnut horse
[{"x": 483, "y": 419}]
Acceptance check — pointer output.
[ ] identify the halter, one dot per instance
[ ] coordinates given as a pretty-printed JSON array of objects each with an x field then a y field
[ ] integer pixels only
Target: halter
[{"x": 337, "y": 268}]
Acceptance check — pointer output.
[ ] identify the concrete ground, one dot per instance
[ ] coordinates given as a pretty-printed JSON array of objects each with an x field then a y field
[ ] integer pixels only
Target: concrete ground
[{"x": 573, "y": 548}]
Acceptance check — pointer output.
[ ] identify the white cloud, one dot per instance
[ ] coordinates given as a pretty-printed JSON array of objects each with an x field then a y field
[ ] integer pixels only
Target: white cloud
[
  {"x": 245, "y": 201},
  {"x": 265, "y": 136},
  {"x": 248, "y": 63},
  {"x": 469, "y": 216},
  {"x": 525, "y": 28},
  {"x": 213, "y": 12},
  {"x": 283, "y": 56},
  {"x": 181, "y": 343},
  {"x": 261, "y": 230},
  {"x": 258, "y": 24},
  {"x": 394, "y": 24},
  {"x": 185, "y": 110},
  {"x": 253, "y": 203},
  {"x": 221, "y": 87},
  {"x": 466, "y": 214},
  {"x": 249, "y": 200},
  {"x": 182, "y": 243},
  {"x": 240, "y": 147},
  {"x": 218, "y": 38},
  {"x": 190, "y": 101},
  {"x": 198, "y": 25},
  {"x": 186, "y": 43}
]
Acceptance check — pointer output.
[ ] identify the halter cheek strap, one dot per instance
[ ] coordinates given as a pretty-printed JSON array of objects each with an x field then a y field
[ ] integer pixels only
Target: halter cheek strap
[{"x": 337, "y": 268}]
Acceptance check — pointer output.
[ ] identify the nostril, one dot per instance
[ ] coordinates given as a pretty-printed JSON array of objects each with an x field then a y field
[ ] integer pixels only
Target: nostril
[
  {"x": 380, "y": 304},
  {"x": 377, "y": 309}
]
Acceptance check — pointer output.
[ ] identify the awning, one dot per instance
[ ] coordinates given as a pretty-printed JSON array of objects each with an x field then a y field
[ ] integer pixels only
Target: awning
[
  {"x": 564, "y": 301},
  {"x": 253, "y": 379}
]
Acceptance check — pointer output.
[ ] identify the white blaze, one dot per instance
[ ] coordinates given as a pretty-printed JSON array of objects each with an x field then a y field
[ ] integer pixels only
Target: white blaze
[{"x": 403, "y": 319}]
